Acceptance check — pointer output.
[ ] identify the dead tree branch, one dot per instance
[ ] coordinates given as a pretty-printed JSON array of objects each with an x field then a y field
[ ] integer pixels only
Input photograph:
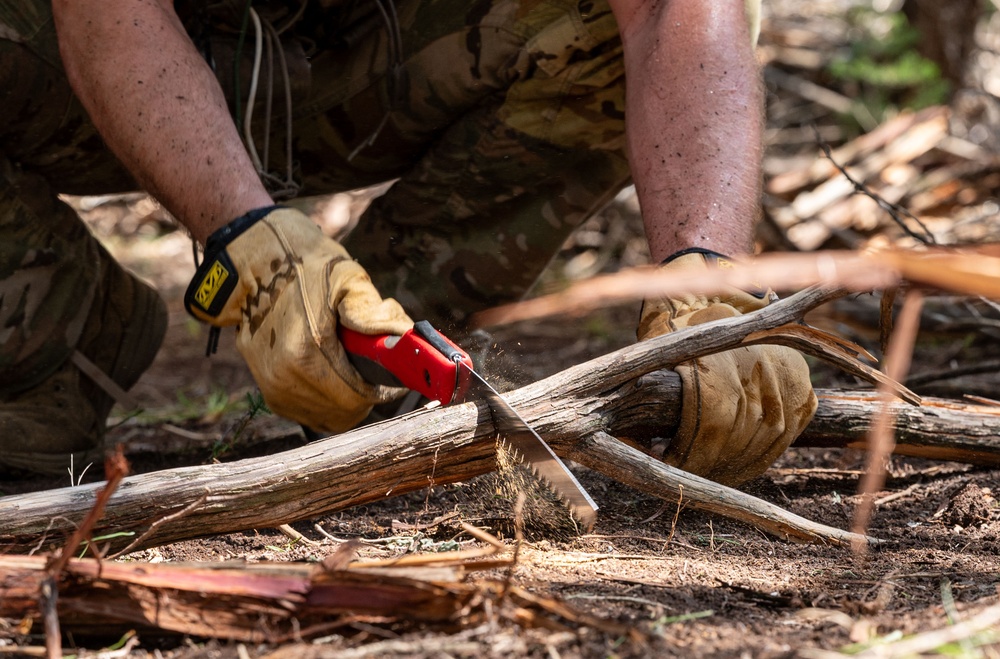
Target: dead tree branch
[{"x": 577, "y": 410}]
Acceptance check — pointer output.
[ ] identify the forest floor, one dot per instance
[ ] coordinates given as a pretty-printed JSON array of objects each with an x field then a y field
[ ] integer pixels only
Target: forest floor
[{"x": 692, "y": 584}]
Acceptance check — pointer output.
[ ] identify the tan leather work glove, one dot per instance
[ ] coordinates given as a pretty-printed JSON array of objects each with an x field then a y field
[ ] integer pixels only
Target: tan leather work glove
[
  {"x": 741, "y": 408},
  {"x": 286, "y": 286}
]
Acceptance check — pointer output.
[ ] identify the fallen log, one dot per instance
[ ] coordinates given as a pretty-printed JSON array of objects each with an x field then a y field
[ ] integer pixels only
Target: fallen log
[
  {"x": 578, "y": 411},
  {"x": 940, "y": 429}
]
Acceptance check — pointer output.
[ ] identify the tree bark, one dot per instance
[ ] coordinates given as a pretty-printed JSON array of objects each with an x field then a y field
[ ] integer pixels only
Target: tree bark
[
  {"x": 277, "y": 602},
  {"x": 939, "y": 429},
  {"x": 578, "y": 411}
]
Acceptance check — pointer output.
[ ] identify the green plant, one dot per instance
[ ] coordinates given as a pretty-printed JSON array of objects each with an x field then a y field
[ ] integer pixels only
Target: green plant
[
  {"x": 254, "y": 405},
  {"x": 883, "y": 68},
  {"x": 212, "y": 406},
  {"x": 685, "y": 617},
  {"x": 287, "y": 547},
  {"x": 109, "y": 536}
]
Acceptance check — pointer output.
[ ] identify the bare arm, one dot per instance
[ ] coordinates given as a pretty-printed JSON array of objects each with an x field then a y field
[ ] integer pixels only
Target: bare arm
[
  {"x": 694, "y": 121},
  {"x": 159, "y": 108}
]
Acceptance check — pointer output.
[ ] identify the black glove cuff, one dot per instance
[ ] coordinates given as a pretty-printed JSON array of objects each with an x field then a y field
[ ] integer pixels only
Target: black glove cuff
[
  {"x": 227, "y": 234},
  {"x": 710, "y": 256},
  {"x": 216, "y": 277},
  {"x": 716, "y": 260}
]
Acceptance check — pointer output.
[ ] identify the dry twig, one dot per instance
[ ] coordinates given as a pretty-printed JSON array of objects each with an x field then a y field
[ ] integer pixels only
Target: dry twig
[
  {"x": 881, "y": 442},
  {"x": 966, "y": 271}
]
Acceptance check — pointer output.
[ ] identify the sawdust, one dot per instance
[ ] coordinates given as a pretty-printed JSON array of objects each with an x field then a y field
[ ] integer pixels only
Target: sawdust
[{"x": 543, "y": 514}]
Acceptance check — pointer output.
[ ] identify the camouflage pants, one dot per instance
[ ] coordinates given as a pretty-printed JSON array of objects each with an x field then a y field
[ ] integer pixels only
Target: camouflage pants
[
  {"x": 510, "y": 134},
  {"x": 49, "y": 267},
  {"x": 507, "y": 131}
]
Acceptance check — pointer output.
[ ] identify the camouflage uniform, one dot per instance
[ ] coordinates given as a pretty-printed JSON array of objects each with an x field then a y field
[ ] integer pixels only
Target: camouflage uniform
[
  {"x": 62, "y": 297},
  {"x": 504, "y": 123},
  {"x": 507, "y": 133}
]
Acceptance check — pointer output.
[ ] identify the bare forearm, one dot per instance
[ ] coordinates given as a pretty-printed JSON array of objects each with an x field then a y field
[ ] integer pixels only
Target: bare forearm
[
  {"x": 694, "y": 117},
  {"x": 159, "y": 108}
]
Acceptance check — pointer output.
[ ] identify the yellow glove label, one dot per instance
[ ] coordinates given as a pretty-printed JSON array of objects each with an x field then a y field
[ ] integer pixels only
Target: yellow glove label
[{"x": 210, "y": 285}]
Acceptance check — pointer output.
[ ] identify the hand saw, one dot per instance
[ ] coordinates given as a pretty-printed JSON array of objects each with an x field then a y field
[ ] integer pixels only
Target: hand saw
[{"x": 425, "y": 361}]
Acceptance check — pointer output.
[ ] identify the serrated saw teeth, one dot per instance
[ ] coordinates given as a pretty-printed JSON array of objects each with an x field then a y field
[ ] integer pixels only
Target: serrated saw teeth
[
  {"x": 533, "y": 452},
  {"x": 582, "y": 515}
]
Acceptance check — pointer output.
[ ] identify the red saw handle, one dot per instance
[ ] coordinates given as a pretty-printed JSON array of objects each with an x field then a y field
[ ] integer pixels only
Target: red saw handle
[{"x": 422, "y": 359}]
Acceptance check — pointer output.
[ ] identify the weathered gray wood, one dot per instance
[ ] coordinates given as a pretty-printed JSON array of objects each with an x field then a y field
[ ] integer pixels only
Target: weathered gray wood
[
  {"x": 604, "y": 453},
  {"x": 400, "y": 455},
  {"x": 939, "y": 429}
]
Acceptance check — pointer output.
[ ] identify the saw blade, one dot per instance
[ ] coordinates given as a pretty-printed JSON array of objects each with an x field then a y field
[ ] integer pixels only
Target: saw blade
[{"x": 537, "y": 455}]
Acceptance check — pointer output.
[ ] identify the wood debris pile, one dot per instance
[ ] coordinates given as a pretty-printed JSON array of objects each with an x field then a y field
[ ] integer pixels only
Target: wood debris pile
[
  {"x": 914, "y": 161},
  {"x": 941, "y": 163},
  {"x": 278, "y": 602}
]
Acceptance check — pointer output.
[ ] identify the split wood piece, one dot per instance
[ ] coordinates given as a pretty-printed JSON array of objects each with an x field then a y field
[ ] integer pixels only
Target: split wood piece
[
  {"x": 944, "y": 184},
  {"x": 852, "y": 213},
  {"x": 278, "y": 602},
  {"x": 826, "y": 206},
  {"x": 400, "y": 455},
  {"x": 917, "y": 141}
]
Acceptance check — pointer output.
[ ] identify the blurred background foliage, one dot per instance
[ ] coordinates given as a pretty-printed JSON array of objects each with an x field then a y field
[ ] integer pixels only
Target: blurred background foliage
[{"x": 883, "y": 68}]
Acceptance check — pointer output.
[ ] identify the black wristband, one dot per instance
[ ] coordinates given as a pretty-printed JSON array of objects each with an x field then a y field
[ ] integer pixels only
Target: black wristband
[
  {"x": 710, "y": 256},
  {"x": 216, "y": 277},
  {"x": 716, "y": 260},
  {"x": 227, "y": 234}
]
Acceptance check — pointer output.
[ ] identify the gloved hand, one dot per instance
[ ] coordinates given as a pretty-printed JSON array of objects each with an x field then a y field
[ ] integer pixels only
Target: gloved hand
[
  {"x": 741, "y": 408},
  {"x": 286, "y": 287}
]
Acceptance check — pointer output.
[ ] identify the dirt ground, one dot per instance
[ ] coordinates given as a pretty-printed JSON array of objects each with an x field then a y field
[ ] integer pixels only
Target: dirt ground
[{"x": 693, "y": 584}]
